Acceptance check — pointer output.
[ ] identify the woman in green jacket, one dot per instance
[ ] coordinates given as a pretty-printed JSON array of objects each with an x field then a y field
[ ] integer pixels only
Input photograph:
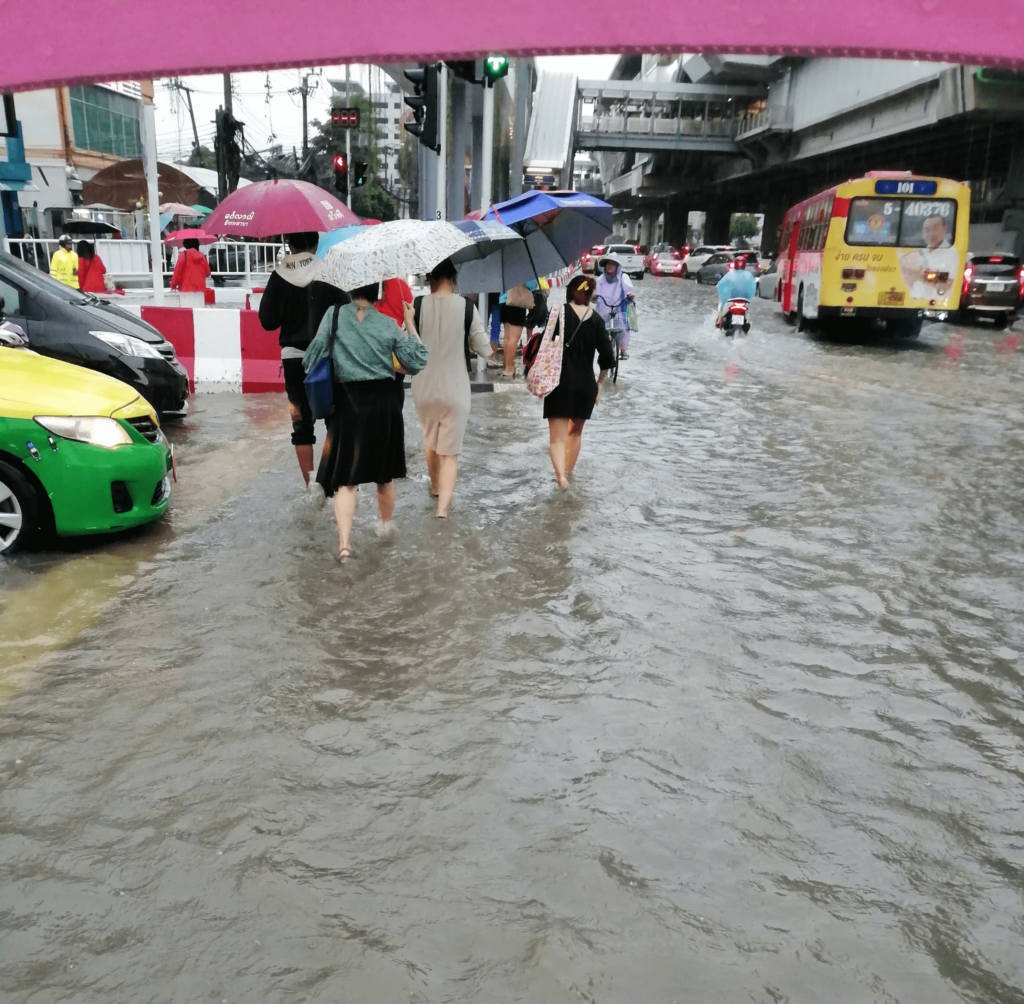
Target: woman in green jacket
[{"x": 364, "y": 435}]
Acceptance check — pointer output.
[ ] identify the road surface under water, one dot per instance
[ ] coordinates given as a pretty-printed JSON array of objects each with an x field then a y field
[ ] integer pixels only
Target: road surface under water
[{"x": 736, "y": 718}]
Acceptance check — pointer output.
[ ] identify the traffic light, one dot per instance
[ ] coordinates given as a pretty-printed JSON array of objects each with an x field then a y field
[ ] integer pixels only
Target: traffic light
[
  {"x": 495, "y": 67},
  {"x": 424, "y": 104},
  {"x": 361, "y": 167},
  {"x": 345, "y": 118},
  {"x": 340, "y": 174},
  {"x": 465, "y": 69}
]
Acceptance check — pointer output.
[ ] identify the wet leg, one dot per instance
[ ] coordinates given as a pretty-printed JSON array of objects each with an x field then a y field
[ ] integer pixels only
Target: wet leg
[
  {"x": 512, "y": 335},
  {"x": 305, "y": 458},
  {"x": 558, "y": 432},
  {"x": 386, "y": 503},
  {"x": 448, "y": 472},
  {"x": 433, "y": 465},
  {"x": 572, "y": 450},
  {"x": 344, "y": 511}
]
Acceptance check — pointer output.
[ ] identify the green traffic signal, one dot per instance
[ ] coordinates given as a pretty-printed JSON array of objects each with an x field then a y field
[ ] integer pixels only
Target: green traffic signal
[{"x": 495, "y": 67}]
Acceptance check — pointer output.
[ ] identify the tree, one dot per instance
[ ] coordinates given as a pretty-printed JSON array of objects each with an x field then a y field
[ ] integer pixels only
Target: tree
[
  {"x": 743, "y": 225},
  {"x": 374, "y": 203}
]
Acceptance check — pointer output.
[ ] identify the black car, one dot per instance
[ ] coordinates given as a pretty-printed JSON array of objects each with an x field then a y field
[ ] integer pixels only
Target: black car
[
  {"x": 993, "y": 285},
  {"x": 81, "y": 328}
]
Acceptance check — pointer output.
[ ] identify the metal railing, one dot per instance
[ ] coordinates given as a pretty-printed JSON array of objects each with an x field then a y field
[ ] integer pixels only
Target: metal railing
[{"x": 131, "y": 259}]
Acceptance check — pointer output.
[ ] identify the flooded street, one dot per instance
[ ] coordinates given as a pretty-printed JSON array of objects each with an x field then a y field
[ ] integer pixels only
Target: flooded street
[{"x": 736, "y": 718}]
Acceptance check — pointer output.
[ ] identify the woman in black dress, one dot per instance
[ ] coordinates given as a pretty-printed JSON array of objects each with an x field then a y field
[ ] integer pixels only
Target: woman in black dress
[{"x": 572, "y": 402}]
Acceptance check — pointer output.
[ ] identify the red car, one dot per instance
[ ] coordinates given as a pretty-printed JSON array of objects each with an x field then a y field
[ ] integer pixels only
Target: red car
[
  {"x": 667, "y": 263},
  {"x": 588, "y": 262}
]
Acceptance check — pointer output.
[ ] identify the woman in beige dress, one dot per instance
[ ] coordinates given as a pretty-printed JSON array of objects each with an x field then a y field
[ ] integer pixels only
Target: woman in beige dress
[{"x": 441, "y": 390}]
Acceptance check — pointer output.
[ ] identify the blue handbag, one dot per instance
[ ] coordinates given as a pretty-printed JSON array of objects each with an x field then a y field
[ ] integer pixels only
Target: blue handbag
[{"x": 320, "y": 379}]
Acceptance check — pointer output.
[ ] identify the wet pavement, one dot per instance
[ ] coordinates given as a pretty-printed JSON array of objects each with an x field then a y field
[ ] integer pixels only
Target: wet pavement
[{"x": 736, "y": 718}]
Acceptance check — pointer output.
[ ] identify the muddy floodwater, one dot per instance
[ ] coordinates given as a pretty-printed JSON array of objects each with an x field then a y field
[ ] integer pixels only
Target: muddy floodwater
[{"x": 737, "y": 718}]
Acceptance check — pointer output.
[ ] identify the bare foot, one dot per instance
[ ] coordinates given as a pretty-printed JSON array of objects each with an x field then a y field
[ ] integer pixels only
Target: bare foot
[
  {"x": 563, "y": 483},
  {"x": 344, "y": 554}
]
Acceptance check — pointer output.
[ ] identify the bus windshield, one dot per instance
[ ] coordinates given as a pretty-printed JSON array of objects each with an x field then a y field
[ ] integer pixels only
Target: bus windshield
[{"x": 915, "y": 223}]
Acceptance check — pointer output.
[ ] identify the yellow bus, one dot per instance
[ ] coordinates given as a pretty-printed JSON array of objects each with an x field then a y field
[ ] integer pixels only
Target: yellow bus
[{"x": 885, "y": 247}]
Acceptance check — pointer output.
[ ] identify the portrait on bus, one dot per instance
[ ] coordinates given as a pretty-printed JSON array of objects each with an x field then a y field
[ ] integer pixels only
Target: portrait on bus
[{"x": 931, "y": 271}]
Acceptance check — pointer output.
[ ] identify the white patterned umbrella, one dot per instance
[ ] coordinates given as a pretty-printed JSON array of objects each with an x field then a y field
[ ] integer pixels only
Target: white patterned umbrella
[{"x": 392, "y": 250}]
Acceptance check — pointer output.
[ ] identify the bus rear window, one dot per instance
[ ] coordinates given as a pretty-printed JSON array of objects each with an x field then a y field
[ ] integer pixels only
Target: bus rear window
[
  {"x": 908, "y": 223},
  {"x": 928, "y": 223},
  {"x": 873, "y": 222}
]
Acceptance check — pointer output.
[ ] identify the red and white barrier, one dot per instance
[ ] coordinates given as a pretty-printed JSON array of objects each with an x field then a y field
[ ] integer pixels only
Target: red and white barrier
[{"x": 221, "y": 349}]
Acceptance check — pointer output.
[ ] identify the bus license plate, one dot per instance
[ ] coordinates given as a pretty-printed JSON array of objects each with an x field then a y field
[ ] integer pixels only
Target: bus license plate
[{"x": 890, "y": 299}]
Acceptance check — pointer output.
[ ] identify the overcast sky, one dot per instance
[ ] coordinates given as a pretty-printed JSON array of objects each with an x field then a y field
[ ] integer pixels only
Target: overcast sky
[{"x": 274, "y": 115}]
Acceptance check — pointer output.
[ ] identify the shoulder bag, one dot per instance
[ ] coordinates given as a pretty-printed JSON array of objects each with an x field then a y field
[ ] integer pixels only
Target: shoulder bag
[
  {"x": 546, "y": 370},
  {"x": 320, "y": 379}
]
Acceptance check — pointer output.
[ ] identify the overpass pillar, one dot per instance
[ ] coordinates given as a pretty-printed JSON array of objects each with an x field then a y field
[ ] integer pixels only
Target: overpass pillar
[
  {"x": 772, "y": 228},
  {"x": 476, "y": 158},
  {"x": 716, "y": 224},
  {"x": 677, "y": 214}
]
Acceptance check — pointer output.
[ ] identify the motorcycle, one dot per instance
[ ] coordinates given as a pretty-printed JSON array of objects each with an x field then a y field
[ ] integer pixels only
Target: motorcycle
[
  {"x": 734, "y": 316},
  {"x": 11, "y": 336}
]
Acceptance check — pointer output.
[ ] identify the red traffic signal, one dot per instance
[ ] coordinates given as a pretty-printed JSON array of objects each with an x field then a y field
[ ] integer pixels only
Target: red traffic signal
[{"x": 340, "y": 167}]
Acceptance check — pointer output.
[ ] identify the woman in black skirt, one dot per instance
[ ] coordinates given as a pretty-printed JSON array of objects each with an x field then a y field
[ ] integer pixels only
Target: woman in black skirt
[
  {"x": 572, "y": 402},
  {"x": 364, "y": 435}
]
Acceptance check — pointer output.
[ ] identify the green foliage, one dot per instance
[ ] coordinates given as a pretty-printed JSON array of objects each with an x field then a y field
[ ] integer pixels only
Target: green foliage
[
  {"x": 743, "y": 225},
  {"x": 374, "y": 203}
]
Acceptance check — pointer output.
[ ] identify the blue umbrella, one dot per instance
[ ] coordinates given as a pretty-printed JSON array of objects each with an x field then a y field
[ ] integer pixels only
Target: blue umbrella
[
  {"x": 557, "y": 226},
  {"x": 332, "y": 237}
]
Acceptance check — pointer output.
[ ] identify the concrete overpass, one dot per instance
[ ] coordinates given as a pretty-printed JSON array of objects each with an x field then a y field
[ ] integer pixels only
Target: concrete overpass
[{"x": 728, "y": 134}]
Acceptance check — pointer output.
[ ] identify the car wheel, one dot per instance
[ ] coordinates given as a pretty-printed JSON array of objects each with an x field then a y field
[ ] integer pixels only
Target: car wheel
[
  {"x": 1001, "y": 320},
  {"x": 19, "y": 510},
  {"x": 638, "y": 275},
  {"x": 700, "y": 281}
]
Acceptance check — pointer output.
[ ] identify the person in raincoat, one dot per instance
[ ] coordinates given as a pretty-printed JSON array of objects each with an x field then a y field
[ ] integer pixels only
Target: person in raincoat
[
  {"x": 191, "y": 269},
  {"x": 64, "y": 263},
  {"x": 613, "y": 293}
]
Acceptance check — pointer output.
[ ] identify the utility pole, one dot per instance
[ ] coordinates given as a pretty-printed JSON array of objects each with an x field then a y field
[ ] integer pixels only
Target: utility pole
[
  {"x": 442, "y": 141},
  {"x": 180, "y": 87},
  {"x": 151, "y": 168},
  {"x": 227, "y": 95},
  {"x": 487, "y": 149},
  {"x": 348, "y": 137}
]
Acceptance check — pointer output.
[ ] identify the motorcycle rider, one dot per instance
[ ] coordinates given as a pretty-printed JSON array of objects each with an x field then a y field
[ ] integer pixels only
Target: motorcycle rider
[{"x": 736, "y": 284}]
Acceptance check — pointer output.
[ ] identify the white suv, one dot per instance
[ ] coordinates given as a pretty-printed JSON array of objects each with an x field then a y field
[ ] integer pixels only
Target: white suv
[
  {"x": 693, "y": 262},
  {"x": 630, "y": 258}
]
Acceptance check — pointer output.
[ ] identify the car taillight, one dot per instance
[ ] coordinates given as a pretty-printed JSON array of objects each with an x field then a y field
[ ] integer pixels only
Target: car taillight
[
  {"x": 968, "y": 272},
  {"x": 994, "y": 259},
  {"x": 1020, "y": 276},
  {"x": 636, "y": 247}
]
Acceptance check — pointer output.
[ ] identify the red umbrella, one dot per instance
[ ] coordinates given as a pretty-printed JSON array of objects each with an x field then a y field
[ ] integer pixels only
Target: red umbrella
[
  {"x": 278, "y": 207},
  {"x": 178, "y": 238}
]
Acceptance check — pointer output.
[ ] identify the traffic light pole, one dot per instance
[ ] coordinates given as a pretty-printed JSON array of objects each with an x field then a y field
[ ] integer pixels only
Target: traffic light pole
[
  {"x": 440, "y": 211},
  {"x": 348, "y": 138},
  {"x": 488, "y": 148}
]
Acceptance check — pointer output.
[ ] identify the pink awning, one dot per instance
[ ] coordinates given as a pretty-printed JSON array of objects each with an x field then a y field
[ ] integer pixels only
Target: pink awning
[{"x": 47, "y": 44}]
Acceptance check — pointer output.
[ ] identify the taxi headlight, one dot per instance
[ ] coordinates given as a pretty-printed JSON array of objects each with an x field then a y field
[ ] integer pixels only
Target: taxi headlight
[
  {"x": 127, "y": 345},
  {"x": 97, "y": 431}
]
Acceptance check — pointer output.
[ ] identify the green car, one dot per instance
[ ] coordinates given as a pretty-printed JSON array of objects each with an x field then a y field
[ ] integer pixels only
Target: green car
[{"x": 80, "y": 452}]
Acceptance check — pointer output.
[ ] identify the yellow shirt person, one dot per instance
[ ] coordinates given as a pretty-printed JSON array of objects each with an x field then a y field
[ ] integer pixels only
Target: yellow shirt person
[{"x": 64, "y": 264}]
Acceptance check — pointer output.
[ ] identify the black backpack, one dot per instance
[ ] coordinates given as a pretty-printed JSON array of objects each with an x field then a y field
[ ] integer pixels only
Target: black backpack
[{"x": 467, "y": 323}]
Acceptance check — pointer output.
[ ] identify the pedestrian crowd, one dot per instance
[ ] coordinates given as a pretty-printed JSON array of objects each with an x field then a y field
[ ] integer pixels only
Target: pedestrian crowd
[{"x": 372, "y": 336}]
